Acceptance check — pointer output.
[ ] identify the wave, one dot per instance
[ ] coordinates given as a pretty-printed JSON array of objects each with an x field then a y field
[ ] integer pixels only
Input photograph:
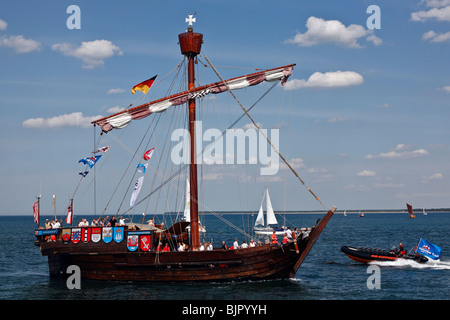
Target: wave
[{"x": 430, "y": 264}]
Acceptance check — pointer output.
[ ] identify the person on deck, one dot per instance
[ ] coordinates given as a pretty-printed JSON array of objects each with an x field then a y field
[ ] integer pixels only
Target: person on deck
[
  {"x": 166, "y": 248},
  {"x": 224, "y": 246},
  {"x": 122, "y": 221},
  {"x": 274, "y": 238},
  {"x": 289, "y": 234}
]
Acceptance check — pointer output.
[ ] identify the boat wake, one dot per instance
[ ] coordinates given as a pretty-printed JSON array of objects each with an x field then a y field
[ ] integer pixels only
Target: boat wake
[{"x": 430, "y": 264}]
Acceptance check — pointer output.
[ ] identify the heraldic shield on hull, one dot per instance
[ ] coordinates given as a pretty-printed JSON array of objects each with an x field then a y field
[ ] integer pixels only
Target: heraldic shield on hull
[{"x": 133, "y": 252}]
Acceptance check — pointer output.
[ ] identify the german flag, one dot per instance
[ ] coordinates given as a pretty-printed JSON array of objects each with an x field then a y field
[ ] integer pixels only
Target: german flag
[{"x": 143, "y": 86}]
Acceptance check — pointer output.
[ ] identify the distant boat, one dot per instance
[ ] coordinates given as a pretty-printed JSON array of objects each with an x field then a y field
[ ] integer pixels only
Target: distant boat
[
  {"x": 410, "y": 211},
  {"x": 424, "y": 212},
  {"x": 345, "y": 213},
  {"x": 361, "y": 215},
  {"x": 266, "y": 229}
]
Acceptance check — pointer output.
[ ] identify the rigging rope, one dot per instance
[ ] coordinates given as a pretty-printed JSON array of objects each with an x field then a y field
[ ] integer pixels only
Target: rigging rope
[
  {"x": 183, "y": 167},
  {"x": 262, "y": 133}
]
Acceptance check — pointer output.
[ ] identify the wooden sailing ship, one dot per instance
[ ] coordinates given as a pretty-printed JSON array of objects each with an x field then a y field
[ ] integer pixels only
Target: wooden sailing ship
[{"x": 131, "y": 253}]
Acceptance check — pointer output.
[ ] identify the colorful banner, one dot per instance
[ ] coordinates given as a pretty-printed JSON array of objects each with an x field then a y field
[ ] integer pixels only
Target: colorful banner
[
  {"x": 76, "y": 235},
  {"x": 145, "y": 243},
  {"x": 96, "y": 234},
  {"x": 132, "y": 243},
  {"x": 118, "y": 234},
  {"x": 65, "y": 234},
  {"x": 86, "y": 234},
  {"x": 107, "y": 234}
]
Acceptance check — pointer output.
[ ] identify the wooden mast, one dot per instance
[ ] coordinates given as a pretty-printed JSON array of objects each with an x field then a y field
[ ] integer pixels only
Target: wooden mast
[{"x": 190, "y": 44}]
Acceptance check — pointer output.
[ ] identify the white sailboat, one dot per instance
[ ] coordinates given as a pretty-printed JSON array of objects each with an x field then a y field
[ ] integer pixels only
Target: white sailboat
[
  {"x": 266, "y": 229},
  {"x": 187, "y": 209}
]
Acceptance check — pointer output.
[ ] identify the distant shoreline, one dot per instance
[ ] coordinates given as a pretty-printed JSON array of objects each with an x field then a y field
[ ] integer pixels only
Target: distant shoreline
[{"x": 417, "y": 211}]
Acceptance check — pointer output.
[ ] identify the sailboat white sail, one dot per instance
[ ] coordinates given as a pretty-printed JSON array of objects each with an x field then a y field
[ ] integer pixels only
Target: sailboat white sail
[{"x": 266, "y": 229}]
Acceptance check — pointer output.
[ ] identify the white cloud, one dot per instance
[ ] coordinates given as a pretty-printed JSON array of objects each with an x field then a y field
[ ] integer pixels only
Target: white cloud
[
  {"x": 336, "y": 79},
  {"x": 367, "y": 173},
  {"x": 92, "y": 53},
  {"x": 401, "y": 146},
  {"x": 75, "y": 119},
  {"x": 3, "y": 24},
  {"x": 435, "y": 176},
  {"x": 446, "y": 89},
  {"x": 322, "y": 31},
  {"x": 20, "y": 44},
  {"x": 388, "y": 185},
  {"x": 383, "y": 106},
  {"x": 399, "y": 152},
  {"x": 440, "y": 14},
  {"x": 296, "y": 163},
  {"x": 436, "y": 3},
  {"x": 336, "y": 120},
  {"x": 436, "y": 37},
  {"x": 116, "y": 90},
  {"x": 115, "y": 109}
]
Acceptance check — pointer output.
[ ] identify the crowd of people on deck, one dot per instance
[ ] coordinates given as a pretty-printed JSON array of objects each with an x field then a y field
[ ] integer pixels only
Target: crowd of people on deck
[
  {"x": 273, "y": 239},
  {"x": 288, "y": 236},
  {"x": 105, "y": 222}
]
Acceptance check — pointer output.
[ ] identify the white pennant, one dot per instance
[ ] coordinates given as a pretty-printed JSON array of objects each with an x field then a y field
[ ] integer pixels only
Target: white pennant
[{"x": 137, "y": 189}]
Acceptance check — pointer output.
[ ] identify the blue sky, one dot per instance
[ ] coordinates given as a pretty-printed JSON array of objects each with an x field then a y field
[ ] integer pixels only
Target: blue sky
[{"x": 364, "y": 117}]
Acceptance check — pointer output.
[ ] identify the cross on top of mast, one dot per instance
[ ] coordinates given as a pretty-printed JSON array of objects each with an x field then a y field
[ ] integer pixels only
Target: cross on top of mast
[{"x": 190, "y": 20}]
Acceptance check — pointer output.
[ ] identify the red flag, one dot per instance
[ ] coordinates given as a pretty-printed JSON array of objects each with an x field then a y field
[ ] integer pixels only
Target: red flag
[
  {"x": 143, "y": 86},
  {"x": 36, "y": 211},
  {"x": 148, "y": 154}
]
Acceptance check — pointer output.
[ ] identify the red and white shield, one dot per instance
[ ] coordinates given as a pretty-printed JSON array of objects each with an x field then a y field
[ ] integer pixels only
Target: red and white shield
[
  {"x": 66, "y": 235},
  {"x": 96, "y": 234},
  {"x": 75, "y": 236},
  {"x": 145, "y": 242},
  {"x": 86, "y": 234}
]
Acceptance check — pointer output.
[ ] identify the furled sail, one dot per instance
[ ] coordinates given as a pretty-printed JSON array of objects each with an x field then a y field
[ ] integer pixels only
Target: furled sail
[{"x": 121, "y": 119}]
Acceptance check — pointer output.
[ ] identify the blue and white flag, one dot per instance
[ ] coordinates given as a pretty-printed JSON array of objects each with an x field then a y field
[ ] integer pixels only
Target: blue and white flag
[
  {"x": 91, "y": 161},
  {"x": 84, "y": 174},
  {"x": 428, "y": 249},
  {"x": 142, "y": 167}
]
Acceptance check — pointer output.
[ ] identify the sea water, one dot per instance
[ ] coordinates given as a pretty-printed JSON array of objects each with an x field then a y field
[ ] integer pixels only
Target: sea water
[{"x": 326, "y": 273}]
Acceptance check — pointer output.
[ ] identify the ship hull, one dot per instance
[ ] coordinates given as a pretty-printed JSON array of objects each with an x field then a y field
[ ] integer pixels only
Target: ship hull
[
  {"x": 262, "y": 262},
  {"x": 114, "y": 260}
]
